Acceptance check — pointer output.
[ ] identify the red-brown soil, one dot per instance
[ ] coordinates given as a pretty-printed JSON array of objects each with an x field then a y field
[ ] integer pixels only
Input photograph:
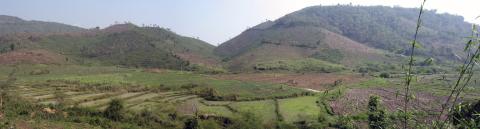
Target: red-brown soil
[
  {"x": 356, "y": 100},
  {"x": 32, "y": 57},
  {"x": 198, "y": 59}
]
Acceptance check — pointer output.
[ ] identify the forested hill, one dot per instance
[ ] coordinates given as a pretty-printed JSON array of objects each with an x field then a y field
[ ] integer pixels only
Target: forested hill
[
  {"x": 382, "y": 27},
  {"x": 120, "y": 44},
  {"x": 11, "y": 25},
  {"x": 363, "y": 32}
]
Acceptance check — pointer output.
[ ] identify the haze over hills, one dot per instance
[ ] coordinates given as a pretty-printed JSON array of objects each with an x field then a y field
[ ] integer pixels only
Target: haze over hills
[{"x": 347, "y": 35}]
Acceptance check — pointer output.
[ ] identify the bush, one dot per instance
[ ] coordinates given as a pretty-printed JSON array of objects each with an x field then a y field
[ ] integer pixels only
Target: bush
[
  {"x": 247, "y": 120},
  {"x": 376, "y": 115},
  {"x": 114, "y": 110},
  {"x": 191, "y": 123},
  {"x": 344, "y": 122},
  {"x": 385, "y": 75},
  {"x": 208, "y": 94}
]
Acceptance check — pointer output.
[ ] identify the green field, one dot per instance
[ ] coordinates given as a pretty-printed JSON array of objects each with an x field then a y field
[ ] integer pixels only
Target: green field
[
  {"x": 167, "y": 92},
  {"x": 301, "y": 108}
]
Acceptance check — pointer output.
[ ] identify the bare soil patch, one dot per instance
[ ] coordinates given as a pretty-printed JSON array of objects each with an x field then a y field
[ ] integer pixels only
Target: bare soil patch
[
  {"x": 32, "y": 57},
  {"x": 356, "y": 100},
  {"x": 197, "y": 59}
]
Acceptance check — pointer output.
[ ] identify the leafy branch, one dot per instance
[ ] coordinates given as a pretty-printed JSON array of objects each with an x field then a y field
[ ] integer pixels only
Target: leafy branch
[
  {"x": 472, "y": 49},
  {"x": 409, "y": 75}
]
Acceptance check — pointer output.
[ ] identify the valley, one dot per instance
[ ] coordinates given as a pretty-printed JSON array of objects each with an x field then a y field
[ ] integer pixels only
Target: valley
[{"x": 342, "y": 66}]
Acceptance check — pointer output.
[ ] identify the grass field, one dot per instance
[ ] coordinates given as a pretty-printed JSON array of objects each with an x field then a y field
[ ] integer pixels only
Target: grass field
[
  {"x": 165, "y": 92},
  {"x": 300, "y": 108},
  {"x": 265, "y": 109},
  {"x": 165, "y": 80}
]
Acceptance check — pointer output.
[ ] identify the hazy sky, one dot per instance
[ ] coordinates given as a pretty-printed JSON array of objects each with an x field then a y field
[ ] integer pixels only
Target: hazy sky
[{"x": 214, "y": 21}]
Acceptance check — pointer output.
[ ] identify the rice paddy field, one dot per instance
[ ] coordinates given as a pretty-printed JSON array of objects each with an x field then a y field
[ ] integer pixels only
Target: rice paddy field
[{"x": 163, "y": 91}]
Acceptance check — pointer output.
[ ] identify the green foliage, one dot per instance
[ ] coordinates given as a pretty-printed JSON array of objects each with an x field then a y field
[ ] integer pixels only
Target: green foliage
[
  {"x": 204, "y": 69},
  {"x": 330, "y": 55},
  {"x": 209, "y": 124},
  {"x": 381, "y": 27},
  {"x": 246, "y": 120},
  {"x": 285, "y": 125},
  {"x": 12, "y": 47},
  {"x": 191, "y": 123},
  {"x": 378, "y": 67},
  {"x": 344, "y": 122},
  {"x": 132, "y": 46},
  {"x": 114, "y": 110},
  {"x": 385, "y": 75},
  {"x": 304, "y": 65},
  {"x": 209, "y": 94},
  {"x": 466, "y": 115},
  {"x": 376, "y": 115}
]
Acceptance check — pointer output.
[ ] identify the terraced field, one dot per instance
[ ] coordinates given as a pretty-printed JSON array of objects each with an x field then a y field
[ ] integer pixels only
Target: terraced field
[
  {"x": 295, "y": 109},
  {"x": 135, "y": 101}
]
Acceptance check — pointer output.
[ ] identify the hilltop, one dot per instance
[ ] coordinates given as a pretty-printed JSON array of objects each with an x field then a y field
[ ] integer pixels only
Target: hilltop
[
  {"x": 13, "y": 25},
  {"x": 121, "y": 44}
]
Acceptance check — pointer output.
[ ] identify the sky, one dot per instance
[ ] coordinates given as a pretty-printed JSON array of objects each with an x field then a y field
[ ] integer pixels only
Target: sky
[{"x": 214, "y": 21}]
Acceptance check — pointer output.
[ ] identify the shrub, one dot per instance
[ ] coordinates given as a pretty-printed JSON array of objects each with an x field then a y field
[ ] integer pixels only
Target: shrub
[
  {"x": 376, "y": 115},
  {"x": 247, "y": 120},
  {"x": 208, "y": 94},
  {"x": 385, "y": 75},
  {"x": 191, "y": 123},
  {"x": 344, "y": 122},
  {"x": 114, "y": 110}
]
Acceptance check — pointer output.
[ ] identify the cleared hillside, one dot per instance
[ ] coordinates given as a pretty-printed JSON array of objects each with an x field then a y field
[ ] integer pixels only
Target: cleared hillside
[{"x": 121, "y": 44}]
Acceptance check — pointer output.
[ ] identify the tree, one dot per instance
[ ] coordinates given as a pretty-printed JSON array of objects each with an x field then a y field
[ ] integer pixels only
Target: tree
[
  {"x": 114, "y": 110},
  {"x": 363, "y": 71},
  {"x": 12, "y": 47},
  {"x": 376, "y": 115}
]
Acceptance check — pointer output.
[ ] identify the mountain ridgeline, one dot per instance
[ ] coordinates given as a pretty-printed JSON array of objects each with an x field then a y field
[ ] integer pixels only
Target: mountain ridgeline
[
  {"x": 318, "y": 38},
  {"x": 12, "y": 25},
  {"x": 346, "y": 35}
]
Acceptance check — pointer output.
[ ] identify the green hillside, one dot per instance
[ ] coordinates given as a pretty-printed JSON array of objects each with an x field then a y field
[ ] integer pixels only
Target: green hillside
[
  {"x": 121, "y": 44},
  {"x": 346, "y": 35}
]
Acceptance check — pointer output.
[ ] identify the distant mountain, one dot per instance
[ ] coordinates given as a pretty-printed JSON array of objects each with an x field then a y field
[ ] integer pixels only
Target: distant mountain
[
  {"x": 121, "y": 44},
  {"x": 11, "y": 25},
  {"x": 346, "y": 35}
]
